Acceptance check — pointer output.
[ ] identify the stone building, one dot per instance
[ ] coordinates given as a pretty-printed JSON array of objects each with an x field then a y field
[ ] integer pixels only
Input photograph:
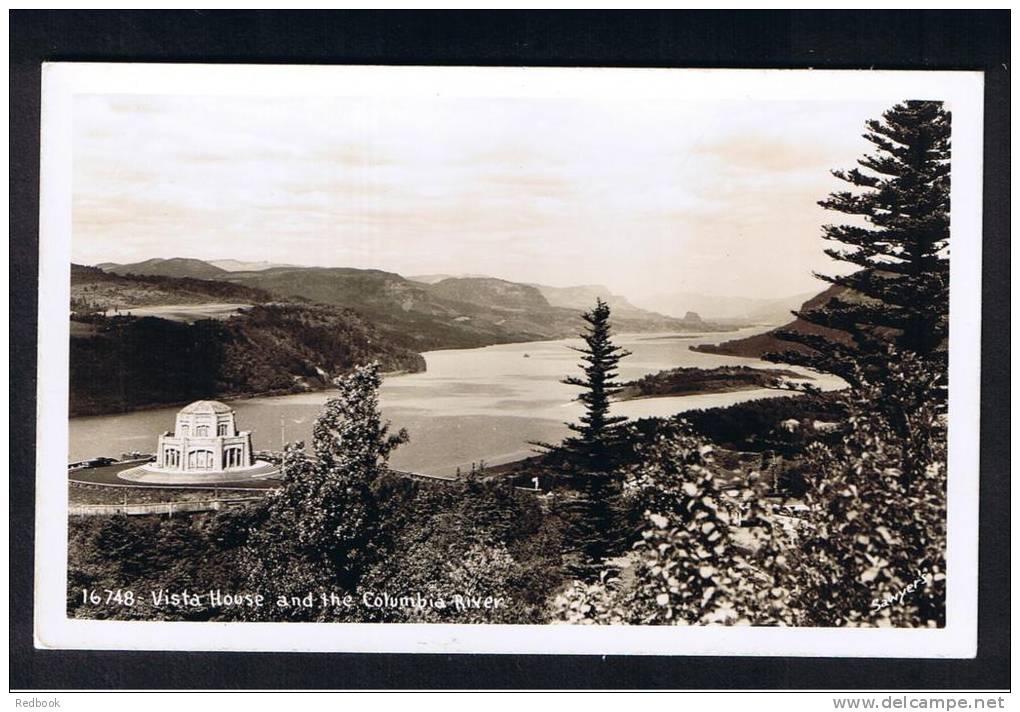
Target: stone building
[{"x": 205, "y": 439}]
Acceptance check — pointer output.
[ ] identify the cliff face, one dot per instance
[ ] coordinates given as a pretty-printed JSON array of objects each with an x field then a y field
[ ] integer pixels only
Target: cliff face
[
  {"x": 447, "y": 312},
  {"x": 495, "y": 293}
]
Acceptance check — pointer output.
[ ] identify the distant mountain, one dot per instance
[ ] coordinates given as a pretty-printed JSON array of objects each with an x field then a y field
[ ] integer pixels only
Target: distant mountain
[
  {"x": 759, "y": 344},
  {"x": 95, "y": 290},
  {"x": 433, "y": 278},
  {"x": 408, "y": 312},
  {"x": 742, "y": 309},
  {"x": 174, "y": 267},
  {"x": 452, "y": 312},
  {"x": 491, "y": 292},
  {"x": 241, "y": 266},
  {"x": 584, "y": 296}
]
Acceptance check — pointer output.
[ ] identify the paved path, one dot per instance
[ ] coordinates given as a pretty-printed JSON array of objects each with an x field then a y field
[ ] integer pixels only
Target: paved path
[
  {"x": 142, "y": 473},
  {"x": 107, "y": 477}
]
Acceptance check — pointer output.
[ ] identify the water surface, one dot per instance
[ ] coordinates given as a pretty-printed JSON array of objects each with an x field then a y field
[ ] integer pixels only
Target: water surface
[{"x": 470, "y": 405}]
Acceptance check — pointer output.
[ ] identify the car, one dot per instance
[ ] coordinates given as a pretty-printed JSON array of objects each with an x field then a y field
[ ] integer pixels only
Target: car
[{"x": 101, "y": 461}]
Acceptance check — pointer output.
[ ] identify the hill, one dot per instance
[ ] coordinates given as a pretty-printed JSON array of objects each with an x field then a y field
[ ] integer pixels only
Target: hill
[
  {"x": 242, "y": 266},
  {"x": 490, "y": 292},
  {"x": 95, "y": 290},
  {"x": 451, "y": 312},
  {"x": 123, "y": 363},
  {"x": 583, "y": 296},
  {"x": 759, "y": 344},
  {"x": 433, "y": 278},
  {"x": 174, "y": 267},
  {"x": 410, "y": 313},
  {"x": 456, "y": 312}
]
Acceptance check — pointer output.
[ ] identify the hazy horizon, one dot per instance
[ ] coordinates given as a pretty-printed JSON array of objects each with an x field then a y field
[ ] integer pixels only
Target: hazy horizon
[
  {"x": 646, "y": 198},
  {"x": 460, "y": 275}
]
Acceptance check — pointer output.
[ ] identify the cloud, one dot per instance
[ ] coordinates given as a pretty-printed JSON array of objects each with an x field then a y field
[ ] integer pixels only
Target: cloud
[
  {"x": 767, "y": 152},
  {"x": 719, "y": 196}
]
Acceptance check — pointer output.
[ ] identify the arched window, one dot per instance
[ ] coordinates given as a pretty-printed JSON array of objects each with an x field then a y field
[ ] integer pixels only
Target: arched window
[{"x": 200, "y": 460}]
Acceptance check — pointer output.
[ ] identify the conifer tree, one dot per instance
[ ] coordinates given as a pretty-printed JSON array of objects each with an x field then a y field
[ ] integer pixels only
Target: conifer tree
[
  {"x": 591, "y": 456},
  {"x": 591, "y": 447},
  {"x": 898, "y": 237}
]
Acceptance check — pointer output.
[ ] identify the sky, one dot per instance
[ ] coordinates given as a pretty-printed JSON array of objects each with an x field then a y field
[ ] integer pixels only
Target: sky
[{"x": 646, "y": 197}]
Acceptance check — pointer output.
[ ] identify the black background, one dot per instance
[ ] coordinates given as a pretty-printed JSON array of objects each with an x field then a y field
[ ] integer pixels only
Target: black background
[{"x": 973, "y": 40}]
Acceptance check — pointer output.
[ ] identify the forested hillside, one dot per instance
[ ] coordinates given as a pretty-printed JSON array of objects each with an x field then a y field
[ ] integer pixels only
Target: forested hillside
[{"x": 121, "y": 363}]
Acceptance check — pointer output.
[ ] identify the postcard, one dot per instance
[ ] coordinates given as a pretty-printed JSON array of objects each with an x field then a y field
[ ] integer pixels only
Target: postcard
[{"x": 509, "y": 360}]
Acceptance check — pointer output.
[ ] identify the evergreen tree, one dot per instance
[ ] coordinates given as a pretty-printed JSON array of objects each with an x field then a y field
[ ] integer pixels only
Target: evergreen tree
[
  {"x": 591, "y": 448},
  {"x": 595, "y": 529},
  {"x": 899, "y": 238}
]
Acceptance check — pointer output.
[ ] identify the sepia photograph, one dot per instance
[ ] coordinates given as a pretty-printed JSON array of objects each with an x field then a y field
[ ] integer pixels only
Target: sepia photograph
[{"x": 529, "y": 351}]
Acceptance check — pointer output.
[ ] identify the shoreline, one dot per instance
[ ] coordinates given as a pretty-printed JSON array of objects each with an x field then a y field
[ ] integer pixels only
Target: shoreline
[
  {"x": 714, "y": 391},
  {"x": 229, "y": 397},
  {"x": 224, "y": 398}
]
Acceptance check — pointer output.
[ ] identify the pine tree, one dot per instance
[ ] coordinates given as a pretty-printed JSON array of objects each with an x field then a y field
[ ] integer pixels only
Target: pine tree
[
  {"x": 592, "y": 448},
  {"x": 591, "y": 457},
  {"x": 899, "y": 239}
]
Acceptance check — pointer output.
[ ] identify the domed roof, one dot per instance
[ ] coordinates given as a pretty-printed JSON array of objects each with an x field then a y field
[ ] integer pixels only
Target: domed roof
[{"x": 207, "y": 406}]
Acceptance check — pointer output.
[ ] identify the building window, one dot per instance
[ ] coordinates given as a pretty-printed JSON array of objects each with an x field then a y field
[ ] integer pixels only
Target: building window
[
  {"x": 202, "y": 431},
  {"x": 185, "y": 430},
  {"x": 232, "y": 457},
  {"x": 221, "y": 429},
  {"x": 200, "y": 460}
]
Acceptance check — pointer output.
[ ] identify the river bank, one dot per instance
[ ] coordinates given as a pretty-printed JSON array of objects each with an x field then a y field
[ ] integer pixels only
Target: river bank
[{"x": 469, "y": 405}]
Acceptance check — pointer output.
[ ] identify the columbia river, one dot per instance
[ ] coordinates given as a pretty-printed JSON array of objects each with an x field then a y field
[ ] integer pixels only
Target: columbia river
[{"x": 469, "y": 405}]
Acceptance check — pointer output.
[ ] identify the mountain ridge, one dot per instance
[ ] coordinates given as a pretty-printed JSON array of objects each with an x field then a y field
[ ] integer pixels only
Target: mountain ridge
[
  {"x": 750, "y": 310},
  {"x": 454, "y": 312}
]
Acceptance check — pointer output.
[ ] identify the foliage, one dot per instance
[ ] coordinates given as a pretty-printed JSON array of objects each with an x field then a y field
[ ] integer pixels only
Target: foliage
[
  {"x": 756, "y": 425},
  {"x": 877, "y": 507},
  {"x": 473, "y": 539},
  {"x": 588, "y": 459},
  {"x": 147, "y": 555},
  {"x": 589, "y": 450},
  {"x": 866, "y": 548},
  {"x": 690, "y": 566},
  {"x": 684, "y": 381},
  {"x": 321, "y": 530},
  {"x": 898, "y": 238},
  {"x": 130, "y": 362}
]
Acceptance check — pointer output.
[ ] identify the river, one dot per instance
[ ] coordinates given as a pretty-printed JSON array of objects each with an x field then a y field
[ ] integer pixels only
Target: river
[{"x": 469, "y": 405}]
